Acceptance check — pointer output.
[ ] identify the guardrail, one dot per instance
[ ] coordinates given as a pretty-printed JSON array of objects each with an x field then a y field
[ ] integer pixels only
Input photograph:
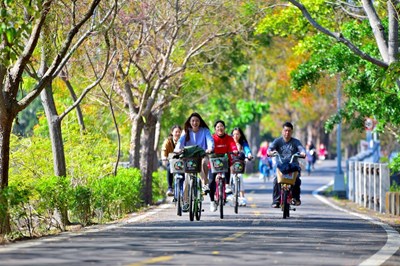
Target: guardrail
[{"x": 368, "y": 184}]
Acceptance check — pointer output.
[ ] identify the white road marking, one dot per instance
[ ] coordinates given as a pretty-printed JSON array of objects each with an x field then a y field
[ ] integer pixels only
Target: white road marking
[
  {"x": 67, "y": 235},
  {"x": 393, "y": 237}
]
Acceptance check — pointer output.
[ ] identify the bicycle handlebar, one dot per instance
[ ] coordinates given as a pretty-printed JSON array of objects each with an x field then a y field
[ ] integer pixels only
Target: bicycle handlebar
[{"x": 297, "y": 154}]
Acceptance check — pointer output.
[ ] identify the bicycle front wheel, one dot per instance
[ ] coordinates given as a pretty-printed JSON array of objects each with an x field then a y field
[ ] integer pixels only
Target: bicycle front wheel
[
  {"x": 199, "y": 201},
  {"x": 236, "y": 192},
  {"x": 286, "y": 205},
  {"x": 191, "y": 197},
  {"x": 178, "y": 197},
  {"x": 221, "y": 198}
]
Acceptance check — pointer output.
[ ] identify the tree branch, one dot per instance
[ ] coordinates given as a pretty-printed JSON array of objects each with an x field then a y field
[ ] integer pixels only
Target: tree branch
[{"x": 338, "y": 37}]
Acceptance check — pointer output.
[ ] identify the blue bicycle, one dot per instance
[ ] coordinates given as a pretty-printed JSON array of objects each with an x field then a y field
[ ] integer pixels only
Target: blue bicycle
[{"x": 177, "y": 168}]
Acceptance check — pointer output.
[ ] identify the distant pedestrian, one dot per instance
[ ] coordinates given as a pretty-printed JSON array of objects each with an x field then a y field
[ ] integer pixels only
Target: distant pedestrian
[{"x": 322, "y": 152}]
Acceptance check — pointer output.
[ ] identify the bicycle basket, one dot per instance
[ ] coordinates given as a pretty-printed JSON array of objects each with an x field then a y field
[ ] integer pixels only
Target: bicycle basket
[
  {"x": 219, "y": 164},
  {"x": 286, "y": 178},
  {"x": 176, "y": 166},
  {"x": 192, "y": 165},
  {"x": 238, "y": 167}
]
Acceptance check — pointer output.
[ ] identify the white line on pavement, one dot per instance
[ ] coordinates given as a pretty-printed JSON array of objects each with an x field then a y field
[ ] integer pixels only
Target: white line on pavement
[
  {"x": 67, "y": 235},
  {"x": 393, "y": 237}
]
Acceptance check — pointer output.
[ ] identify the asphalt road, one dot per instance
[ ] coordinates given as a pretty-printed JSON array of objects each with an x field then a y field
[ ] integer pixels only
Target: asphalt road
[{"x": 316, "y": 234}]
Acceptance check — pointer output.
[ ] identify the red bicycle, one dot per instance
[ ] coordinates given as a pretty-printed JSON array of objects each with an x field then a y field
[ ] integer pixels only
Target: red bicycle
[{"x": 219, "y": 165}]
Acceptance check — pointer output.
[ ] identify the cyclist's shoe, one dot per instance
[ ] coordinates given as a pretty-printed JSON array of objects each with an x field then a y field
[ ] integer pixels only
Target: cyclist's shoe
[
  {"x": 213, "y": 206},
  {"x": 297, "y": 202},
  {"x": 228, "y": 189},
  {"x": 206, "y": 189},
  {"x": 275, "y": 205},
  {"x": 185, "y": 207},
  {"x": 242, "y": 202},
  {"x": 170, "y": 193}
]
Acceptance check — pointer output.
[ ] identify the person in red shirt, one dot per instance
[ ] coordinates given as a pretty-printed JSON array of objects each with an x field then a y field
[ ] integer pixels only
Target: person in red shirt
[{"x": 223, "y": 143}]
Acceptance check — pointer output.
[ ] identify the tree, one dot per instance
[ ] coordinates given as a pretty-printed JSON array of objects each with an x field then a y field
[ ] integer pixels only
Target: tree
[
  {"x": 345, "y": 31},
  {"x": 22, "y": 25},
  {"x": 156, "y": 43}
]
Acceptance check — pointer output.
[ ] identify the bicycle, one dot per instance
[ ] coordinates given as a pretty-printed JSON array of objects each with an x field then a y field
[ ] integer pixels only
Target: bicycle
[
  {"x": 237, "y": 169},
  {"x": 286, "y": 181},
  {"x": 177, "y": 168},
  {"x": 219, "y": 166},
  {"x": 192, "y": 167}
]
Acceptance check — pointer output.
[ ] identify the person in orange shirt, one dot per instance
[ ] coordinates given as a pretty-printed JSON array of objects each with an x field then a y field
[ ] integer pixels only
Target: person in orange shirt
[{"x": 167, "y": 148}]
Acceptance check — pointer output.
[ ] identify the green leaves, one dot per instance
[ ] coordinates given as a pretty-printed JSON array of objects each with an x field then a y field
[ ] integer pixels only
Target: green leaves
[
  {"x": 249, "y": 111},
  {"x": 15, "y": 27}
]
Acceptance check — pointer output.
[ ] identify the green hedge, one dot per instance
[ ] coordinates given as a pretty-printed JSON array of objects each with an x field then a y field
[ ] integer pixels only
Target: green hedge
[{"x": 34, "y": 208}]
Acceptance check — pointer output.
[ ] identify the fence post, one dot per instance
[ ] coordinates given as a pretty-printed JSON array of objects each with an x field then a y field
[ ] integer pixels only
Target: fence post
[
  {"x": 383, "y": 186},
  {"x": 365, "y": 189},
  {"x": 376, "y": 169},
  {"x": 358, "y": 183},
  {"x": 350, "y": 179},
  {"x": 369, "y": 186}
]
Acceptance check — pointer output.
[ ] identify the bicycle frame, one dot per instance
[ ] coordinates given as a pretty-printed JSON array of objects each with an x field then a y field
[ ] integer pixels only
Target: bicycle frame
[
  {"x": 178, "y": 193},
  {"x": 237, "y": 168},
  {"x": 177, "y": 168},
  {"x": 219, "y": 165},
  {"x": 286, "y": 183},
  {"x": 220, "y": 194},
  {"x": 195, "y": 197},
  {"x": 236, "y": 185},
  {"x": 286, "y": 200}
]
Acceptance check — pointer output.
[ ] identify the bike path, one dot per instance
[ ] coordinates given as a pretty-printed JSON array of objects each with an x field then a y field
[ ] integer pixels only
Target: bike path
[{"x": 315, "y": 234}]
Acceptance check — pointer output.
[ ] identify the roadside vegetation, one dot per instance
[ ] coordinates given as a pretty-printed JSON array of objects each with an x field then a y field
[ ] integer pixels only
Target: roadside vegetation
[{"x": 91, "y": 88}]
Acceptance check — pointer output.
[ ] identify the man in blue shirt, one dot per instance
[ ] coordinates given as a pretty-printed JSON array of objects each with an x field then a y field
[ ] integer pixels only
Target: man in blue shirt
[{"x": 286, "y": 146}]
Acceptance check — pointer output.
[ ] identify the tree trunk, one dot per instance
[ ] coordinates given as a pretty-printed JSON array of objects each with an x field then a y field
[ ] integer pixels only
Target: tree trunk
[
  {"x": 147, "y": 165},
  {"x": 6, "y": 121},
  {"x": 57, "y": 145},
  {"x": 252, "y": 133},
  {"x": 134, "y": 149}
]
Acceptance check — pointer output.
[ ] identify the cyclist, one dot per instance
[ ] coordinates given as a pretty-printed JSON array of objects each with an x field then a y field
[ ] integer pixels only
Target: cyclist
[
  {"x": 265, "y": 163},
  {"x": 168, "y": 147},
  {"x": 245, "y": 152},
  {"x": 224, "y": 143},
  {"x": 286, "y": 146},
  {"x": 196, "y": 132}
]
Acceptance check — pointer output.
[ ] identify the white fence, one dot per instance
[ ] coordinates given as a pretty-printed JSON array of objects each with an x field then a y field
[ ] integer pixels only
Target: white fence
[{"x": 368, "y": 184}]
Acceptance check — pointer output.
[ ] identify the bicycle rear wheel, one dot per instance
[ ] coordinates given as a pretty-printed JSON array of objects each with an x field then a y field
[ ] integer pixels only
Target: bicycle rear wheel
[
  {"x": 221, "y": 198},
  {"x": 191, "y": 198}
]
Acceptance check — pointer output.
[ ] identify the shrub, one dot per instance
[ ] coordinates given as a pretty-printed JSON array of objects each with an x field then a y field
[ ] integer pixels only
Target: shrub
[
  {"x": 113, "y": 196},
  {"x": 159, "y": 185},
  {"x": 80, "y": 204}
]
